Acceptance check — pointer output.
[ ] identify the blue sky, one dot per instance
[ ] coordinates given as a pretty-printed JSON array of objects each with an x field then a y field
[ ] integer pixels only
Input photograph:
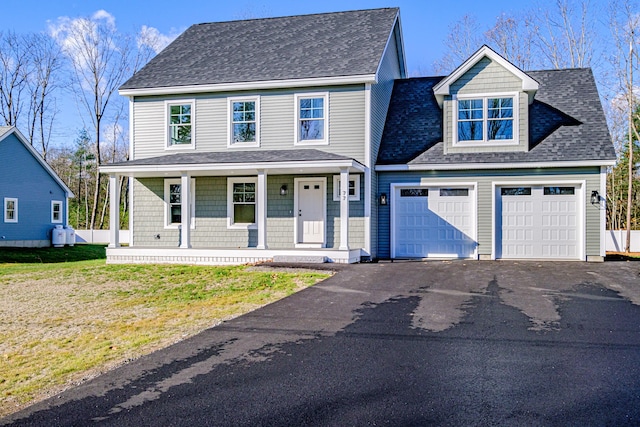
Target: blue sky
[{"x": 425, "y": 23}]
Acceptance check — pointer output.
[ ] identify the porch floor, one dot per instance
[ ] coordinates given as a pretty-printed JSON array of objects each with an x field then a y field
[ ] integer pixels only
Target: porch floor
[{"x": 230, "y": 256}]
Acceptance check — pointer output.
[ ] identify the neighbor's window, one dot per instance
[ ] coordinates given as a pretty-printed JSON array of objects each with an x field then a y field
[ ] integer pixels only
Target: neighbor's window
[
  {"x": 10, "y": 209},
  {"x": 311, "y": 118},
  {"x": 244, "y": 119},
  {"x": 485, "y": 119},
  {"x": 180, "y": 124},
  {"x": 56, "y": 211},
  {"x": 173, "y": 202},
  {"x": 241, "y": 207},
  {"x": 354, "y": 188}
]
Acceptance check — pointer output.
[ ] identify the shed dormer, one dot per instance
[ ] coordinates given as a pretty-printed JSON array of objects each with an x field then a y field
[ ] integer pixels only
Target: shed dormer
[{"x": 485, "y": 105}]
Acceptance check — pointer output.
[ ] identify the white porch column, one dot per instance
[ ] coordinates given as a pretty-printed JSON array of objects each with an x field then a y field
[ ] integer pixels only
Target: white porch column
[
  {"x": 114, "y": 211},
  {"x": 185, "y": 210},
  {"x": 261, "y": 220},
  {"x": 344, "y": 209}
]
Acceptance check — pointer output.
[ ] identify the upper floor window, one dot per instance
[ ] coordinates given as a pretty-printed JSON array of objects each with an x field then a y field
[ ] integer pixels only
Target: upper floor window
[
  {"x": 486, "y": 119},
  {"x": 312, "y": 121},
  {"x": 56, "y": 211},
  {"x": 244, "y": 121},
  {"x": 10, "y": 209},
  {"x": 173, "y": 202},
  {"x": 180, "y": 128}
]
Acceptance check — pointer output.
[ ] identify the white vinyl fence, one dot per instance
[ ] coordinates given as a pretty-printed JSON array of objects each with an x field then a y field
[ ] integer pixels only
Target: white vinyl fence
[
  {"x": 99, "y": 236},
  {"x": 616, "y": 240}
]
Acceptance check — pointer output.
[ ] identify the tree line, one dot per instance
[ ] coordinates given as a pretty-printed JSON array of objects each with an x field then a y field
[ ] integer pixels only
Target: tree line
[{"x": 89, "y": 58}]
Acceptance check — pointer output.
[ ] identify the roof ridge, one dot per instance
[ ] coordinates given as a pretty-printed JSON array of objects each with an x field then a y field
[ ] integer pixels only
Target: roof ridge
[{"x": 298, "y": 15}]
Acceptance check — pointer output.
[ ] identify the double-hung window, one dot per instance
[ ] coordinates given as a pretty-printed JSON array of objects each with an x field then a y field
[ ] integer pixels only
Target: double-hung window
[
  {"x": 486, "y": 119},
  {"x": 10, "y": 209},
  {"x": 241, "y": 202},
  {"x": 244, "y": 121},
  {"x": 56, "y": 211},
  {"x": 180, "y": 125},
  {"x": 173, "y": 202},
  {"x": 312, "y": 121}
]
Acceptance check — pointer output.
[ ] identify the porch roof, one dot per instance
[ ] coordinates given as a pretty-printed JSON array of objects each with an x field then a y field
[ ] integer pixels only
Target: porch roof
[{"x": 232, "y": 162}]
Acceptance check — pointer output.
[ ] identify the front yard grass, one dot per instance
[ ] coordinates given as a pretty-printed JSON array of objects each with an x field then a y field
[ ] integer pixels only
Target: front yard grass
[{"x": 67, "y": 322}]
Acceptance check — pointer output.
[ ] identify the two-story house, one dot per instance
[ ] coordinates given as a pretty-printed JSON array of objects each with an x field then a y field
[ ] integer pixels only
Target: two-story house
[{"x": 300, "y": 138}]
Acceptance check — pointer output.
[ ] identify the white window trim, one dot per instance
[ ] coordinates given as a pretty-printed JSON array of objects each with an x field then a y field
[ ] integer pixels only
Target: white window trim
[
  {"x": 336, "y": 188},
  {"x": 230, "y": 218},
  {"x": 167, "y": 114},
  {"x": 167, "y": 205},
  {"x": 296, "y": 133},
  {"x": 53, "y": 203},
  {"x": 15, "y": 204},
  {"x": 230, "y": 143},
  {"x": 487, "y": 142}
]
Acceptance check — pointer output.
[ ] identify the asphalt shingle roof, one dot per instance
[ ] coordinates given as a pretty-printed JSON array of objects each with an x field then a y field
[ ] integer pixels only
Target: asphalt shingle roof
[
  {"x": 255, "y": 156},
  {"x": 293, "y": 47},
  {"x": 566, "y": 123}
]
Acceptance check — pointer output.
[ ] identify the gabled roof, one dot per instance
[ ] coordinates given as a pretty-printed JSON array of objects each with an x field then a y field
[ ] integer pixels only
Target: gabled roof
[
  {"x": 6, "y": 131},
  {"x": 442, "y": 89},
  {"x": 566, "y": 124},
  {"x": 320, "y": 46}
]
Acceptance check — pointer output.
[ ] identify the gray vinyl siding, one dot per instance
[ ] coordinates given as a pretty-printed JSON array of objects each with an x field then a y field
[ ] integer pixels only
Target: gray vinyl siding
[
  {"x": 380, "y": 97},
  {"x": 24, "y": 178},
  {"x": 277, "y": 121},
  {"x": 211, "y": 229},
  {"x": 484, "y": 180},
  {"x": 487, "y": 77}
]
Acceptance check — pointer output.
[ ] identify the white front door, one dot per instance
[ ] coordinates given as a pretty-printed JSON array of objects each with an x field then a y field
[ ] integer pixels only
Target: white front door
[
  {"x": 311, "y": 201},
  {"x": 539, "y": 221}
]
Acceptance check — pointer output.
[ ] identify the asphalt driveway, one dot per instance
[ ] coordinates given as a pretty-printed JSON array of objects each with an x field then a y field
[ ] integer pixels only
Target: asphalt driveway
[{"x": 411, "y": 343}]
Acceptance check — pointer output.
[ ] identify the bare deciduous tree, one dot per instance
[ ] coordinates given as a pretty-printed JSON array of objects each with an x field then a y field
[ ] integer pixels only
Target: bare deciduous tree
[
  {"x": 100, "y": 59},
  {"x": 14, "y": 69}
]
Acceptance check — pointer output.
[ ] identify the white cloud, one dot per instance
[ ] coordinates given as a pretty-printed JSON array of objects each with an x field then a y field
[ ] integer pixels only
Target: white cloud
[{"x": 151, "y": 37}]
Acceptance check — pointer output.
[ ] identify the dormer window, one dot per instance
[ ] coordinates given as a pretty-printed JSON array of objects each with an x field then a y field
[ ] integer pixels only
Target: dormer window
[{"x": 486, "y": 119}]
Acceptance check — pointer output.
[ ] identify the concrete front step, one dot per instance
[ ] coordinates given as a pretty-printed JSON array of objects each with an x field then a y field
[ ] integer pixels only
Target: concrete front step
[{"x": 307, "y": 259}]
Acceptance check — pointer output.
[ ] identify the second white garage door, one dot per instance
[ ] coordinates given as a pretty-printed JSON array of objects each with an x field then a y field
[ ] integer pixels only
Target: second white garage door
[
  {"x": 433, "y": 222},
  {"x": 538, "y": 221}
]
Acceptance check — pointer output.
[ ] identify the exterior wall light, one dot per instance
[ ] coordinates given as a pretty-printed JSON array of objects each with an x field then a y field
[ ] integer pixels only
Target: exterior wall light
[
  {"x": 383, "y": 199},
  {"x": 283, "y": 190},
  {"x": 595, "y": 197}
]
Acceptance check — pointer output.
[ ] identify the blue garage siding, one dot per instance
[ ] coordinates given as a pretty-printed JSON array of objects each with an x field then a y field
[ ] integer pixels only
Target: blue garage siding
[{"x": 23, "y": 177}]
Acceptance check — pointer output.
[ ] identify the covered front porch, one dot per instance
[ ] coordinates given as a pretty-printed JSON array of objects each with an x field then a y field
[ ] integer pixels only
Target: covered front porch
[{"x": 222, "y": 208}]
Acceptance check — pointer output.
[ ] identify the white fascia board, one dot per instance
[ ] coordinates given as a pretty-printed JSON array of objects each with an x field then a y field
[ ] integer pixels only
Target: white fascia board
[
  {"x": 203, "y": 167},
  {"x": 268, "y": 84},
  {"x": 38, "y": 157},
  {"x": 443, "y": 87},
  {"x": 476, "y": 166}
]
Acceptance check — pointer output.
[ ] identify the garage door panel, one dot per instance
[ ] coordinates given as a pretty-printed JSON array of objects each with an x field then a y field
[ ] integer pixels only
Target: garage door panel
[
  {"x": 541, "y": 222},
  {"x": 441, "y": 225}
]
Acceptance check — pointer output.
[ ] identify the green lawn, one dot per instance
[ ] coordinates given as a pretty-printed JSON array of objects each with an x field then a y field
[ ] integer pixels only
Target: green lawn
[{"x": 66, "y": 318}]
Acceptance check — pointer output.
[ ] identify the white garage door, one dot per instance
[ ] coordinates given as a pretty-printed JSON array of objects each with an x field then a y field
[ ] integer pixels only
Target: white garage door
[
  {"x": 539, "y": 222},
  {"x": 433, "y": 222}
]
